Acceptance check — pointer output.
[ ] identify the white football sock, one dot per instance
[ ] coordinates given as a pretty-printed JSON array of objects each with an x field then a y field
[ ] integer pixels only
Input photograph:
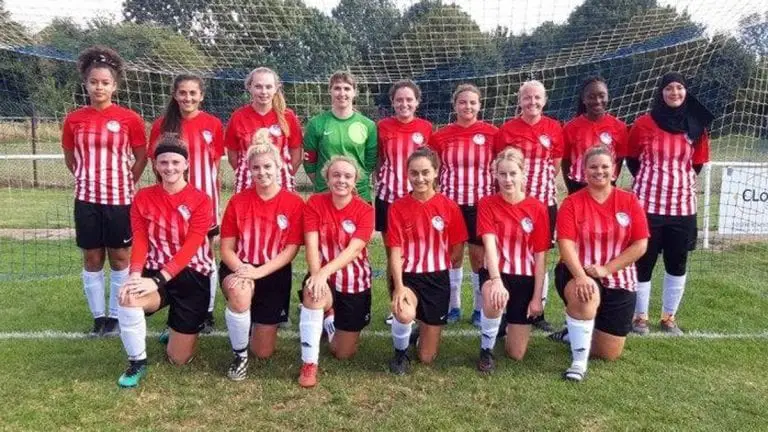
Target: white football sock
[
  {"x": 643, "y": 298},
  {"x": 489, "y": 329},
  {"x": 477, "y": 295},
  {"x": 456, "y": 276},
  {"x": 93, "y": 286},
  {"x": 133, "y": 331},
  {"x": 580, "y": 334},
  {"x": 329, "y": 325},
  {"x": 214, "y": 275},
  {"x": 673, "y": 289},
  {"x": 401, "y": 335},
  {"x": 238, "y": 328},
  {"x": 310, "y": 330},
  {"x": 545, "y": 289},
  {"x": 117, "y": 279}
]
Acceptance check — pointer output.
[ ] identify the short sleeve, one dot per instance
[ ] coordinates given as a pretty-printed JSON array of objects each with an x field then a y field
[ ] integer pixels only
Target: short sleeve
[
  {"x": 138, "y": 133},
  {"x": 639, "y": 220},
  {"x": 364, "y": 229},
  {"x": 568, "y": 141},
  {"x": 310, "y": 147},
  {"x": 67, "y": 134},
  {"x": 230, "y": 134},
  {"x": 701, "y": 149},
  {"x": 394, "y": 235},
  {"x": 622, "y": 136},
  {"x": 311, "y": 216},
  {"x": 557, "y": 140},
  {"x": 296, "y": 224},
  {"x": 218, "y": 138},
  {"x": 540, "y": 240},
  {"x": 485, "y": 223},
  {"x": 566, "y": 223},
  {"x": 154, "y": 137},
  {"x": 457, "y": 229},
  {"x": 635, "y": 139},
  {"x": 229, "y": 227},
  {"x": 297, "y": 137}
]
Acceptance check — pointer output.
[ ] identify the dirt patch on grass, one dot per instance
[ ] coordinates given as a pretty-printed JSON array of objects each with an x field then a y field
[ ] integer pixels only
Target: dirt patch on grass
[{"x": 37, "y": 234}]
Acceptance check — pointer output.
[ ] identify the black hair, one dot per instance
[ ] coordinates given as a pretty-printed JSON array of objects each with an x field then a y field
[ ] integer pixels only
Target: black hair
[
  {"x": 99, "y": 56},
  {"x": 581, "y": 108},
  {"x": 172, "y": 116}
]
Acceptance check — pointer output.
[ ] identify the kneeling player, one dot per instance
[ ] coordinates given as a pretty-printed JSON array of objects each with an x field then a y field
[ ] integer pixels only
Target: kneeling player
[
  {"x": 337, "y": 227},
  {"x": 425, "y": 231},
  {"x": 170, "y": 262},
  {"x": 260, "y": 235},
  {"x": 602, "y": 230},
  {"x": 515, "y": 231}
]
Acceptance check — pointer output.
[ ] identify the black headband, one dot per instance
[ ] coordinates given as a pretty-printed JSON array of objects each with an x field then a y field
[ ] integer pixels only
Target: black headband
[{"x": 171, "y": 148}]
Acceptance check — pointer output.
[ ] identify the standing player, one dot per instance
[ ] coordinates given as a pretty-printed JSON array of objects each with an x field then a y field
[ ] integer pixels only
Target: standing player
[
  {"x": 260, "y": 235},
  {"x": 170, "y": 262},
  {"x": 540, "y": 139},
  {"x": 341, "y": 131},
  {"x": 602, "y": 231},
  {"x": 667, "y": 148},
  {"x": 426, "y": 233},
  {"x": 337, "y": 227},
  {"x": 592, "y": 126},
  {"x": 515, "y": 231},
  {"x": 399, "y": 136},
  {"x": 204, "y": 136},
  {"x": 266, "y": 110},
  {"x": 466, "y": 150},
  {"x": 98, "y": 141}
]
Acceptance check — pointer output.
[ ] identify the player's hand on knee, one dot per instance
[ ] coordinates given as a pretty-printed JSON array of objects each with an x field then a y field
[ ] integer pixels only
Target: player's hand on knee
[{"x": 400, "y": 300}]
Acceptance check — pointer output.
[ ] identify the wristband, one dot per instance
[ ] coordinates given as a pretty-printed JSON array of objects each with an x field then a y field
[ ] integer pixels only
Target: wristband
[{"x": 159, "y": 280}]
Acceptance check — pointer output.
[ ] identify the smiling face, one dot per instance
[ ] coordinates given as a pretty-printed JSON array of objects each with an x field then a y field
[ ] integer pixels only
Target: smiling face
[
  {"x": 342, "y": 95},
  {"x": 674, "y": 94},
  {"x": 595, "y": 98},
  {"x": 100, "y": 85},
  {"x": 188, "y": 95},
  {"x": 510, "y": 177},
  {"x": 466, "y": 106},
  {"x": 263, "y": 170},
  {"x": 532, "y": 100},
  {"x": 341, "y": 178},
  {"x": 405, "y": 104},
  {"x": 171, "y": 167},
  {"x": 422, "y": 175},
  {"x": 263, "y": 88},
  {"x": 599, "y": 170}
]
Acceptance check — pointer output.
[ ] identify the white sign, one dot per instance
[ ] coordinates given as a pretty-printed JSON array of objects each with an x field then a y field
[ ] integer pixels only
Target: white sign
[{"x": 743, "y": 201}]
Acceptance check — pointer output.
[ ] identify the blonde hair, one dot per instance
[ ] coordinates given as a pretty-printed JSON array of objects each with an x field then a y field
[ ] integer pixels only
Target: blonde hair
[
  {"x": 531, "y": 84},
  {"x": 510, "y": 154},
  {"x": 464, "y": 88},
  {"x": 340, "y": 158},
  {"x": 278, "y": 100},
  {"x": 342, "y": 76},
  {"x": 261, "y": 143},
  {"x": 597, "y": 150}
]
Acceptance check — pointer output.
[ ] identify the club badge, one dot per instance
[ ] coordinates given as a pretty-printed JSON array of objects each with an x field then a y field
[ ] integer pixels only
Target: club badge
[
  {"x": 348, "y": 226},
  {"x": 275, "y": 130},
  {"x": 282, "y": 221},
  {"x": 185, "y": 213},
  {"x": 527, "y": 225},
  {"x": 113, "y": 126},
  {"x": 478, "y": 139},
  {"x": 623, "y": 219},
  {"x": 417, "y": 138},
  {"x": 606, "y": 138},
  {"x": 545, "y": 141},
  {"x": 438, "y": 223},
  {"x": 208, "y": 136}
]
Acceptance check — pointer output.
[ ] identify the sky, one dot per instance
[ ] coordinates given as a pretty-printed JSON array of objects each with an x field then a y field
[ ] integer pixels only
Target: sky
[{"x": 519, "y": 15}]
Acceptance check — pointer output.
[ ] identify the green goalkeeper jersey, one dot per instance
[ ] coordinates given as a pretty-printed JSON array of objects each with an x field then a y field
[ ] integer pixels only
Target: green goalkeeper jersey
[{"x": 327, "y": 135}]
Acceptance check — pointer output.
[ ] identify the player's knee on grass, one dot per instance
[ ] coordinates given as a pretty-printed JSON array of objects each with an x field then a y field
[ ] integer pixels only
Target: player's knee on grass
[
  {"x": 344, "y": 345},
  {"x": 263, "y": 340},
  {"x": 606, "y": 346},
  {"x": 516, "y": 344}
]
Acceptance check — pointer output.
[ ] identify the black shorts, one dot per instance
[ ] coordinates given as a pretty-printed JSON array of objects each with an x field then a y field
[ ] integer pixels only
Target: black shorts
[
  {"x": 617, "y": 306},
  {"x": 271, "y": 299},
  {"x": 352, "y": 312},
  {"x": 552, "y": 212},
  {"x": 520, "y": 289},
  {"x": 187, "y": 295},
  {"x": 433, "y": 292},
  {"x": 673, "y": 232},
  {"x": 381, "y": 208},
  {"x": 102, "y": 225},
  {"x": 213, "y": 232},
  {"x": 469, "y": 213}
]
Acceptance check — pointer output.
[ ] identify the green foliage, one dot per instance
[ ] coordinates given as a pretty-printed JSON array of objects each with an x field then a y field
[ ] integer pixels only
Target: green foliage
[{"x": 369, "y": 23}]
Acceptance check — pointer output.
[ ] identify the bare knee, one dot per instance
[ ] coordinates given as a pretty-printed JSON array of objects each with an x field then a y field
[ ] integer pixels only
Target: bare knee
[
  {"x": 93, "y": 259},
  {"x": 263, "y": 352},
  {"x": 177, "y": 359},
  {"x": 237, "y": 301},
  {"x": 515, "y": 353}
]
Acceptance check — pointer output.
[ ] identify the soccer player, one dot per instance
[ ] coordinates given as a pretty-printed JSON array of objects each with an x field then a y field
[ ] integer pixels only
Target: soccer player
[
  {"x": 515, "y": 231},
  {"x": 341, "y": 131},
  {"x": 466, "y": 150},
  {"x": 204, "y": 136},
  {"x": 337, "y": 227},
  {"x": 170, "y": 262},
  {"x": 426, "y": 233},
  {"x": 398, "y": 136},
  {"x": 98, "y": 141},
  {"x": 602, "y": 231},
  {"x": 667, "y": 148},
  {"x": 592, "y": 126},
  {"x": 540, "y": 139},
  {"x": 266, "y": 110},
  {"x": 261, "y": 233}
]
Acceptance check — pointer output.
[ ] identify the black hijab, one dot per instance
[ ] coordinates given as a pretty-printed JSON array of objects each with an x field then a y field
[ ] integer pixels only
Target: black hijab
[{"x": 691, "y": 118}]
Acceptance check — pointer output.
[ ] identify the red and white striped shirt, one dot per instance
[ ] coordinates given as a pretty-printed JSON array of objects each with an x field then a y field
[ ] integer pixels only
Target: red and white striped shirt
[
  {"x": 425, "y": 231},
  {"x": 336, "y": 228},
  {"x": 603, "y": 231},
  {"x": 541, "y": 143},
  {"x": 245, "y": 122},
  {"x": 397, "y": 141},
  {"x": 465, "y": 155},
  {"x": 666, "y": 181},
  {"x": 103, "y": 142},
  {"x": 581, "y": 134},
  {"x": 204, "y": 136},
  {"x": 263, "y": 228},
  {"x": 521, "y": 231},
  {"x": 170, "y": 230}
]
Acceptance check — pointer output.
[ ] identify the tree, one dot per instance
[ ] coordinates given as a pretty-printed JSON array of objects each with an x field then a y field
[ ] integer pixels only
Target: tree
[
  {"x": 753, "y": 32},
  {"x": 179, "y": 15},
  {"x": 369, "y": 22}
]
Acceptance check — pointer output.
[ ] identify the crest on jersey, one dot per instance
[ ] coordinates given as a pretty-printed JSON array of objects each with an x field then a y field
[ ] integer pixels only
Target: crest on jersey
[
  {"x": 545, "y": 140},
  {"x": 622, "y": 218},
  {"x": 208, "y": 136},
  {"x": 688, "y": 139},
  {"x": 357, "y": 132},
  {"x": 606, "y": 138},
  {"x": 275, "y": 130},
  {"x": 348, "y": 226},
  {"x": 527, "y": 225},
  {"x": 282, "y": 221},
  {"x": 478, "y": 139},
  {"x": 113, "y": 126},
  {"x": 185, "y": 213},
  {"x": 438, "y": 223},
  {"x": 417, "y": 138}
]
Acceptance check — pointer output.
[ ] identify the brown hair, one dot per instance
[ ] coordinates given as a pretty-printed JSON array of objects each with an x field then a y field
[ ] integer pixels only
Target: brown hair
[
  {"x": 464, "y": 88},
  {"x": 406, "y": 83},
  {"x": 342, "y": 76},
  {"x": 428, "y": 154},
  {"x": 598, "y": 150},
  {"x": 99, "y": 56}
]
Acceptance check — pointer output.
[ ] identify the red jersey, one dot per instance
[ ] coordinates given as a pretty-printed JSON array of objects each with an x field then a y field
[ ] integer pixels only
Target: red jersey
[
  {"x": 425, "y": 231},
  {"x": 245, "y": 122},
  {"x": 581, "y": 134},
  {"x": 465, "y": 155},
  {"x": 336, "y": 228},
  {"x": 541, "y": 144},
  {"x": 521, "y": 231},
  {"x": 204, "y": 136},
  {"x": 397, "y": 141},
  {"x": 666, "y": 181},
  {"x": 603, "y": 231},
  {"x": 103, "y": 142},
  {"x": 170, "y": 230},
  {"x": 263, "y": 228}
]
